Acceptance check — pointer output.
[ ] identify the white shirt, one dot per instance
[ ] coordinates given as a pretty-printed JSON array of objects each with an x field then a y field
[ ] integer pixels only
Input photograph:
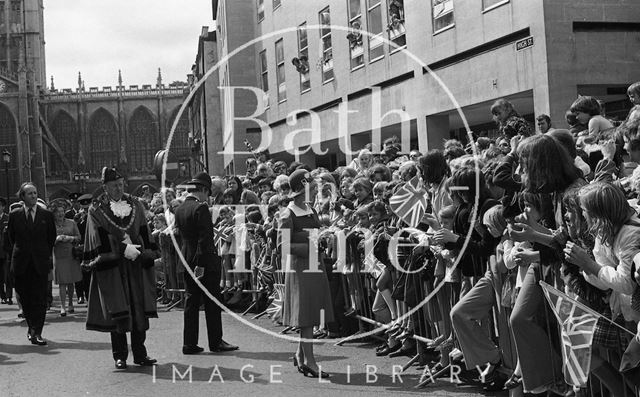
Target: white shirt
[
  {"x": 299, "y": 211},
  {"x": 584, "y": 167}
]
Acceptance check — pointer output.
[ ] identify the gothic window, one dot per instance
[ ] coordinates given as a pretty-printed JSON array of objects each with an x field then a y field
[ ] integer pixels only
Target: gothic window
[
  {"x": 64, "y": 132},
  {"x": 143, "y": 141},
  {"x": 8, "y": 134},
  {"x": 8, "y": 141},
  {"x": 103, "y": 134},
  {"x": 180, "y": 140},
  {"x": 14, "y": 52}
]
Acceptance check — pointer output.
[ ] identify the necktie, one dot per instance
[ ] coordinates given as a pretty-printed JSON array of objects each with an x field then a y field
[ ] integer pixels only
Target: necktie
[{"x": 30, "y": 216}]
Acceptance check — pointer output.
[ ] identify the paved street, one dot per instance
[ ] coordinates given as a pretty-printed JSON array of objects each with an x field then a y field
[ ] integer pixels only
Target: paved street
[{"x": 78, "y": 362}]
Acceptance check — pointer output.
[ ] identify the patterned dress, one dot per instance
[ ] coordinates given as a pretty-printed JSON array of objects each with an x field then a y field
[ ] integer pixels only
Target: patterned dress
[{"x": 66, "y": 269}]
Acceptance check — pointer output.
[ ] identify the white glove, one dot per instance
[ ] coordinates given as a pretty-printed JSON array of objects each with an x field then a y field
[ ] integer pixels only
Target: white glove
[{"x": 131, "y": 252}]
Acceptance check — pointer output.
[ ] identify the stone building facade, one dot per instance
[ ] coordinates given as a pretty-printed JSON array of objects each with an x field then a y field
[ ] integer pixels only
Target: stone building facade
[
  {"x": 111, "y": 126},
  {"x": 60, "y": 138},
  {"x": 22, "y": 83}
]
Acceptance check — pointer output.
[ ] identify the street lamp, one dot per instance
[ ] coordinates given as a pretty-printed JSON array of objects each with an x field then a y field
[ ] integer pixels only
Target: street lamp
[
  {"x": 82, "y": 178},
  {"x": 6, "y": 157}
]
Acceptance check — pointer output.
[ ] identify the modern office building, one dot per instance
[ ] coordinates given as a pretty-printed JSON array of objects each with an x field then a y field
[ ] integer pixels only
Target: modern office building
[{"x": 338, "y": 74}]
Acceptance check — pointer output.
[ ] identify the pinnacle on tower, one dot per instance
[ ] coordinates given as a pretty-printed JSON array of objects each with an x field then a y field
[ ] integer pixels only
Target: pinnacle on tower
[
  {"x": 79, "y": 80},
  {"x": 53, "y": 86},
  {"x": 119, "y": 78},
  {"x": 159, "y": 80}
]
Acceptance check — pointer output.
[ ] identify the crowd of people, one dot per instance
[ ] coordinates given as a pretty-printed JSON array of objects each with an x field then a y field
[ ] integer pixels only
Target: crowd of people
[{"x": 503, "y": 213}]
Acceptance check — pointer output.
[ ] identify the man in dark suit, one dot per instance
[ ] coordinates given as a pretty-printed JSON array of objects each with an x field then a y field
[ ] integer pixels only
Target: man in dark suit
[
  {"x": 193, "y": 221},
  {"x": 6, "y": 284},
  {"x": 32, "y": 232}
]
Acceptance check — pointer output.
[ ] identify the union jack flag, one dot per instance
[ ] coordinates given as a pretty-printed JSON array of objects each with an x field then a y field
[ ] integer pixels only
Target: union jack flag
[
  {"x": 221, "y": 234},
  {"x": 578, "y": 324},
  {"x": 410, "y": 202}
]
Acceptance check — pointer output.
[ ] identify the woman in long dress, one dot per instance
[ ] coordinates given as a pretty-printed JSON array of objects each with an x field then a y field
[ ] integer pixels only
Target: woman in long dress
[
  {"x": 66, "y": 268},
  {"x": 307, "y": 301}
]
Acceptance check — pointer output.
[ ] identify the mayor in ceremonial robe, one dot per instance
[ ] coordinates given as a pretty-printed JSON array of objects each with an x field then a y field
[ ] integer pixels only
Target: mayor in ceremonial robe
[{"x": 119, "y": 252}]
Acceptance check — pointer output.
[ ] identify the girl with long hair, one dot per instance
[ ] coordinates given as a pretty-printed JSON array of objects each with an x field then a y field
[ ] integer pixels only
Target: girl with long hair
[{"x": 545, "y": 167}]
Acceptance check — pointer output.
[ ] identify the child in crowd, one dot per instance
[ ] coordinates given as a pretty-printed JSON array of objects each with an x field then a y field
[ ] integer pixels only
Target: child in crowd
[
  {"x": 450, "y": 292},
  {"x": 588, "y": 112},
  {"x": 355, "y": 257},
  {"x": 379, "y": 190},
  {"x": 633, "y": 92},
  {"x": 224, "y": 237},
  {"x": 362, "y": 191},
  {"x": 509, "y": 121},
  {"x": 228, "y": 197}
]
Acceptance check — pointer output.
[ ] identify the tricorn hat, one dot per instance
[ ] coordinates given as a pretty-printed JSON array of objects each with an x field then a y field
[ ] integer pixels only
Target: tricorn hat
[{"x": 110, "y": 174}]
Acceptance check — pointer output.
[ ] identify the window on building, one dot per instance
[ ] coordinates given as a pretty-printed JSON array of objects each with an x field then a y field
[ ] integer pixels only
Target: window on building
[
  {"x": 143, "y": 141},
  {"x": 15, "y": 16},
  {"x": 4, "y": 61},
  {"x": 374, "y": 22},
  {"x": 264, "y": 71},
  {"x": 281, "y": 82},
  {"x": 264, "y": 75},
  {"x": 103, "y": 148},
  {"x": 356, "y": 49},
  {"x": 8, "y": 141},
  {"x": 2, "y": 17},
  {"x": 64, "y": 131},
  {"x": 488, "y": 4},
  {"x": 301, "y": 62},
  {"x": 15, "y": 43},
  {"x": 221, "y": 21},
  {"x": 276, "y": 4},
  {"x": 260, "y": 5},
  {"x": 180, "y": 139},
  {"x": 442, "y": 14},
  {"x": 395, "y": 16},
  {"x": 327, "y": 48}
]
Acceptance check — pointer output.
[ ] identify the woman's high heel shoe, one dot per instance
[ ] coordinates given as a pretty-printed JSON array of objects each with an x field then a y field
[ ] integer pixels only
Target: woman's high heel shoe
[
  {"x": 295, "y": 364},
  {"x": 308, "y": 371}
]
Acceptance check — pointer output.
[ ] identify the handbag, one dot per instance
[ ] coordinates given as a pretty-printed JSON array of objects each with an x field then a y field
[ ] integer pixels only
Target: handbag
[{"x": 77, "y": 251}]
